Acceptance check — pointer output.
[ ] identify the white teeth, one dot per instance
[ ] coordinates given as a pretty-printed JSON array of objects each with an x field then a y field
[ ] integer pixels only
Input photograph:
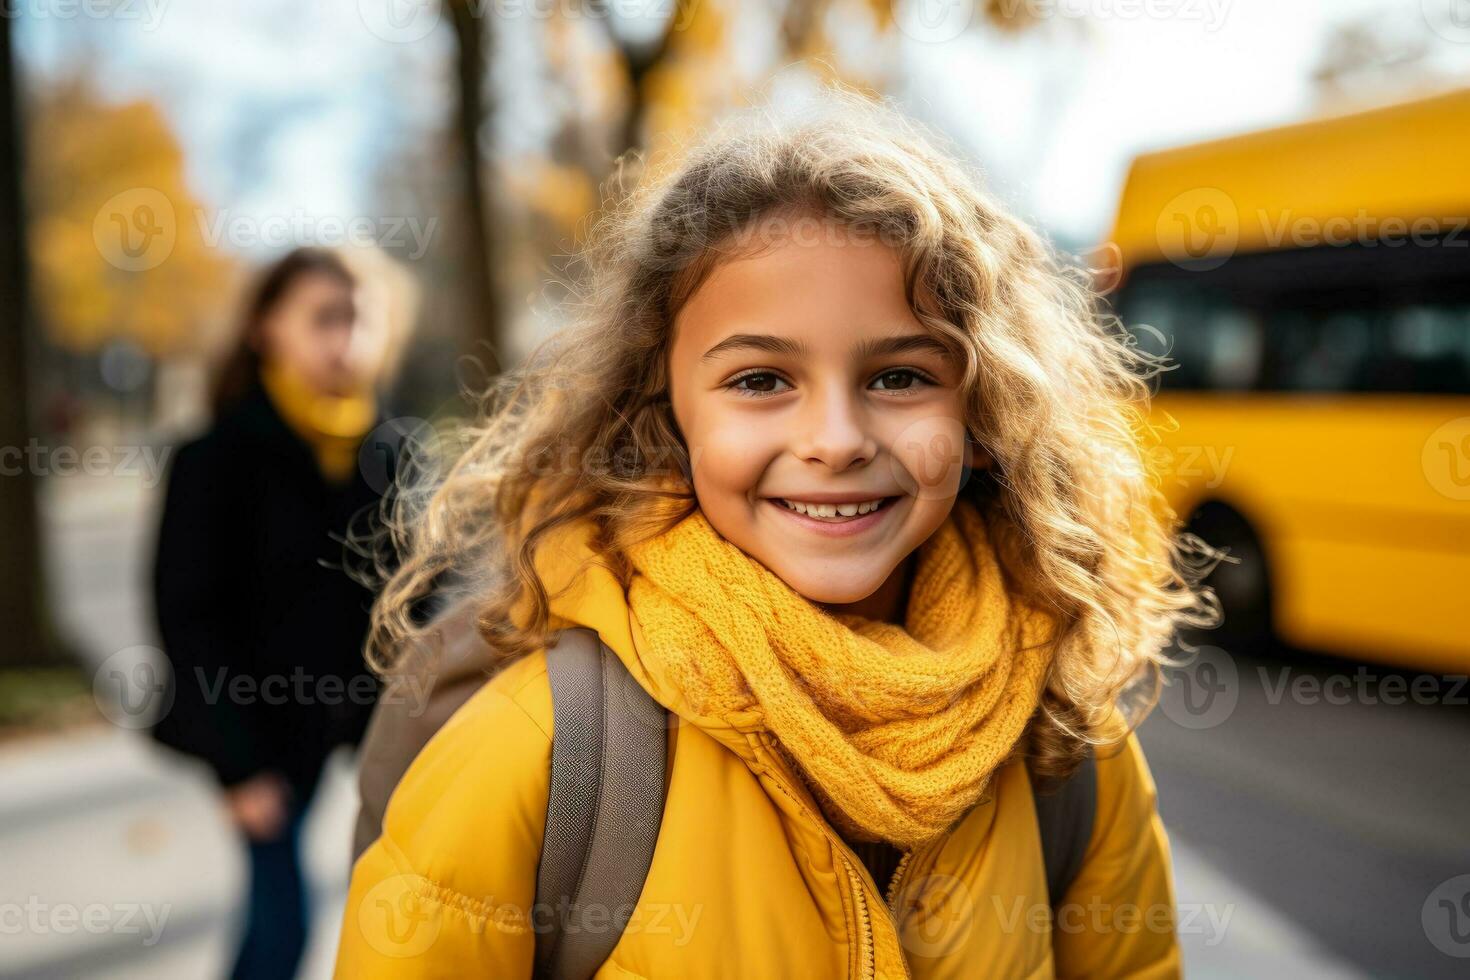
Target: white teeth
[{"x": 834, "y": 510}]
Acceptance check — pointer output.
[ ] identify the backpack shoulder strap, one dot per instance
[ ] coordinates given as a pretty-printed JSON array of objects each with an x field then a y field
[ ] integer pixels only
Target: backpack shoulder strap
[
  {"x": 608, "y": 757},
  {"x": 1065, "y": 818}
]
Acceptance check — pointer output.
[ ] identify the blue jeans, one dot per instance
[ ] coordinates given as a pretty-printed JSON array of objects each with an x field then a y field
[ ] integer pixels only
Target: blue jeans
[{"x": 277, "y": 917}]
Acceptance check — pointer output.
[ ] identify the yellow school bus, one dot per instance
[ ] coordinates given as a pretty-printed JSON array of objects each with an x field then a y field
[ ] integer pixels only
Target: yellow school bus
[{"x": 1312, "y": 285}]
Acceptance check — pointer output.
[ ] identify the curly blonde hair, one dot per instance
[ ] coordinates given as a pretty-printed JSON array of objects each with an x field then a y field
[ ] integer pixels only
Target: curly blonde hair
[{"x": 1055, "y": 394}]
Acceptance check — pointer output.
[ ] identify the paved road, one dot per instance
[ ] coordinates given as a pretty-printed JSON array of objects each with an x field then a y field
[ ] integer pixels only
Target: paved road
[{"x": 1332, "y": 795}]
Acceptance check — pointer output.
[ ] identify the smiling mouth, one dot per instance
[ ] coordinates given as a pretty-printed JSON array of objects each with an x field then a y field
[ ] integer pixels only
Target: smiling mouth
[{"x": 835, "y": 513}]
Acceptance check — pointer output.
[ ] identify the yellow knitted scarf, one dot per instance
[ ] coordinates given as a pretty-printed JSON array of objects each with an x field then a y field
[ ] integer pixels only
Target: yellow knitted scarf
[
  {"x": 332, "y": 425},
  {"x": 898, "y": 730}
]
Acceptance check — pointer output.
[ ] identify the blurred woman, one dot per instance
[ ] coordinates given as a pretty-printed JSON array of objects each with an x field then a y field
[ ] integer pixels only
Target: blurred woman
[{"x": 261, "y": 624}]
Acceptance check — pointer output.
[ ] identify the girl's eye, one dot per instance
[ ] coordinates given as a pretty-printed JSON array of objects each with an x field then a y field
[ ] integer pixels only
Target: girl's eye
[
  {"x": 898, "y": 379},
  {"x": 759, "y": 383}
]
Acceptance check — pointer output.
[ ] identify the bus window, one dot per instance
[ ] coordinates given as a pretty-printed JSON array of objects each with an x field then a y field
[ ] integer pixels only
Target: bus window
[
  {"x": 1319, "y": 353},
  {"x": 1429, "y": 349},
  {"x": 1235, "y": 348},
  {"x": 1369, "y": 321},
  {"x": 1211, "y": 343}
]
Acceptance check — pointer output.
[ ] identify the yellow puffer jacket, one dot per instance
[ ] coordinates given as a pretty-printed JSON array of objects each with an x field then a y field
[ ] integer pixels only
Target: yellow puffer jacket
[{"x": 748, "y": 880}]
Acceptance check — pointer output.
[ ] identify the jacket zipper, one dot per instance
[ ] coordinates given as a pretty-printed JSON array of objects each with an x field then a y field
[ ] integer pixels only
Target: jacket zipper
[
  {"x": 865, "y": 931},
  {"x": 855, "y": 874},
  {"x": 895, "y": 883}
]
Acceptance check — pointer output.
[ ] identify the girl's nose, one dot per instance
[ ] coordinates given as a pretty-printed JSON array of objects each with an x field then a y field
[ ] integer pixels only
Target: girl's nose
[{"x": 832, "y": 432}]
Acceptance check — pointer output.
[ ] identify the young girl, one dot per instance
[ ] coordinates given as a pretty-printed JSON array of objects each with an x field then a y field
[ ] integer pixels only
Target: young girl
[{"x": 845, "y": 468}]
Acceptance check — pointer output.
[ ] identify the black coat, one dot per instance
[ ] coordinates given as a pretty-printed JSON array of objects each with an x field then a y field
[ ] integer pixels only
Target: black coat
[{"x": 263, "y": 628}]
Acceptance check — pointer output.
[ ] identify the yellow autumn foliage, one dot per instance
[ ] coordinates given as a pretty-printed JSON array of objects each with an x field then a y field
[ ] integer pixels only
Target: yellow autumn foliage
[{"x": 116, "y": 240}]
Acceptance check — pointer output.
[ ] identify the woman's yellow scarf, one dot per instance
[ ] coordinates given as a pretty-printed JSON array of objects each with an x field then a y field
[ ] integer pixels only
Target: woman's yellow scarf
[
  {"x": 332, "y": 425},
  {"x": 898, "y": 730}
]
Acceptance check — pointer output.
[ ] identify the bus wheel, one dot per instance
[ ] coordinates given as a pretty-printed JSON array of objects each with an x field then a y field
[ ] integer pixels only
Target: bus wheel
[{"x": 1242, "y": 586}]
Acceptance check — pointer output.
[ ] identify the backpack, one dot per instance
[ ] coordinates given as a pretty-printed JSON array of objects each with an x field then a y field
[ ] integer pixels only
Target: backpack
[{"x": 609, "y": 756}]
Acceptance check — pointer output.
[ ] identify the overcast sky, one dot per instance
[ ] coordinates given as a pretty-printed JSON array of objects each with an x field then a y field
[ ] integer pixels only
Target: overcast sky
[{"x": 285, "y": 106}]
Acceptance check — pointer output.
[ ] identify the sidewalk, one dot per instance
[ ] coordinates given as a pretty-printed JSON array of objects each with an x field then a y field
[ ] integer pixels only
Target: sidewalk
[{"x": 124, "y": 866}]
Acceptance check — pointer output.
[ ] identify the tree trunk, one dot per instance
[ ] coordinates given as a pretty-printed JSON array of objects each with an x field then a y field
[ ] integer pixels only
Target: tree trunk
[
  {"x": 482, "y": 297},
  {"x": 639, "y": 59},
  {"x": 24, "y": 638}
]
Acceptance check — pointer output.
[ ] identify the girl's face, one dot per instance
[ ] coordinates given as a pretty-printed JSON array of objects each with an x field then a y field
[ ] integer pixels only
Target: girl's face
[
  {"x": 319, "y": 328},
  {"x": 824, "y": 423}
]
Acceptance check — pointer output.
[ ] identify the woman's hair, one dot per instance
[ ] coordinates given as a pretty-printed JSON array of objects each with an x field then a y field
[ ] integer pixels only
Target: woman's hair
[
  {"x": 239, "y": 370},
  {"x": 1054, "y": 392}
]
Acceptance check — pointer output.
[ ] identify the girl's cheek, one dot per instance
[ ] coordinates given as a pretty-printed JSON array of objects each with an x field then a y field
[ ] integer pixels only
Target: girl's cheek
[
  {"x": 729, "y": 456},
  {"x": 928, "y": 456}
]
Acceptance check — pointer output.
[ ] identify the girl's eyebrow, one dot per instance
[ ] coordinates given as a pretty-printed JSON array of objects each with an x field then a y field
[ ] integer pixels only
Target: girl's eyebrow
[
  {"x": 756, "y": 341},
  {"x": 910, "y": 343}
]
